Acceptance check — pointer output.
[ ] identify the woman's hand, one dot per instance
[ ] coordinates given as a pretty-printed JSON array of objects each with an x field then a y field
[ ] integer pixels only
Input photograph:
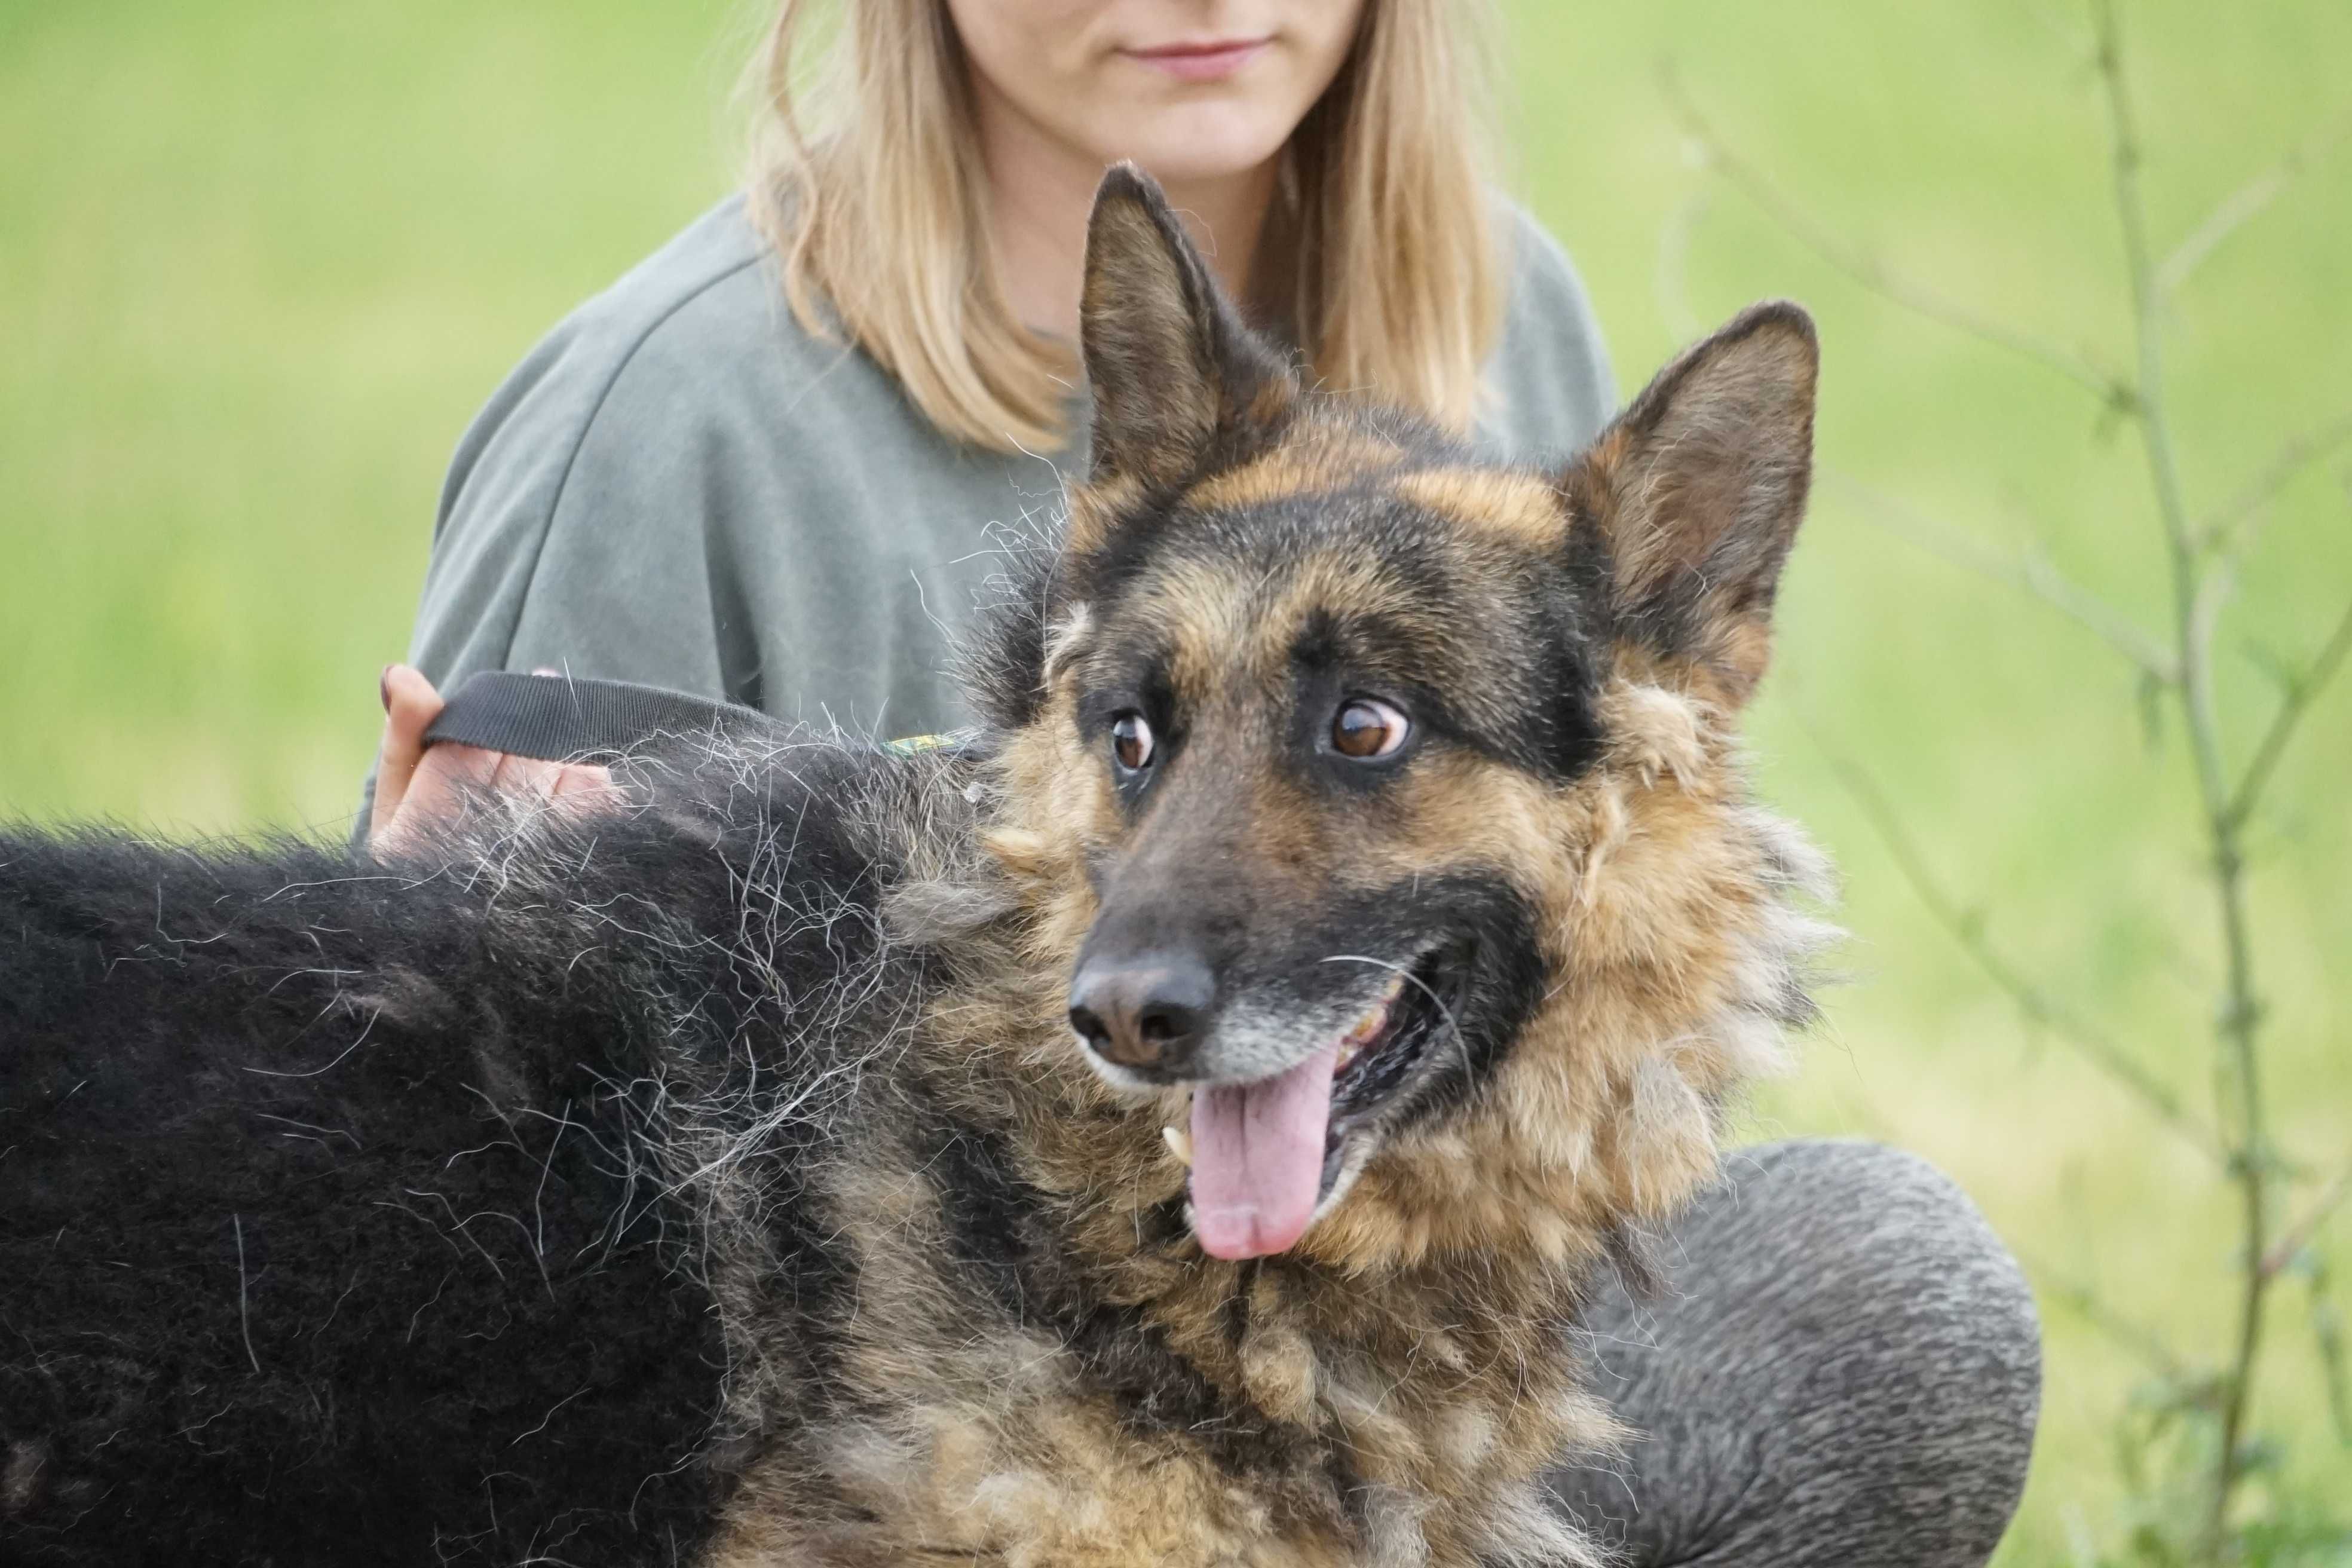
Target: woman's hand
[{"x": 416, "y": 787}]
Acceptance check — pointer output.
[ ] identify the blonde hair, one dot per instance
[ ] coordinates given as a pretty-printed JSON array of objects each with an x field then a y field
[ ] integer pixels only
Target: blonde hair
[{"x": 877, "y": 206}]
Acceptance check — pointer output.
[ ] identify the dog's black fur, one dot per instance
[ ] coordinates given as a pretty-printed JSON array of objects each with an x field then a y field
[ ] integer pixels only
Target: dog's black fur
[{"x": 330, "y": 1228}]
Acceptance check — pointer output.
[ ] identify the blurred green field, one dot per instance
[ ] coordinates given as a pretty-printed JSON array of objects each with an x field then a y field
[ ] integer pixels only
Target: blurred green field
[{"x": 259, "y": 261}]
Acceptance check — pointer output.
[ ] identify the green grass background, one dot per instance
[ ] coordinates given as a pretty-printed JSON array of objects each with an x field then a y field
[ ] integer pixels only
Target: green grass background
[{"x": 260, "y": 261}]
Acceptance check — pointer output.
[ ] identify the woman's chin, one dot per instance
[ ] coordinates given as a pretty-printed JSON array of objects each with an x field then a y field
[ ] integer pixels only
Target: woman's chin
[{"x": 1192, "y": 143}]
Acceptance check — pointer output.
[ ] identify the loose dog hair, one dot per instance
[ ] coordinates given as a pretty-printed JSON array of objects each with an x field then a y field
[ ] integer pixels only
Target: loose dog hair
[{"x": 1179, "y": 1125}]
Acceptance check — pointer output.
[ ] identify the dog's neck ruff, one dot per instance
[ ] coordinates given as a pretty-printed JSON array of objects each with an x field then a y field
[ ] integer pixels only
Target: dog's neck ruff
[{"x": 1422, "y": 1329}]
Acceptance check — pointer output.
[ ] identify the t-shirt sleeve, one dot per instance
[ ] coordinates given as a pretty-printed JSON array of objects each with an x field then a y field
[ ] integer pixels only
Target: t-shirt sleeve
[
  {"x": 571, "y": 533},
  {"x": 1549, "y": 380},
  {"x": 576, "y": 526}
]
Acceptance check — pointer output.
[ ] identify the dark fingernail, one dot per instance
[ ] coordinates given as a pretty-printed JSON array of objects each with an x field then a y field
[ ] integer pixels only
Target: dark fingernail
[{"x": 383, "y": 688}]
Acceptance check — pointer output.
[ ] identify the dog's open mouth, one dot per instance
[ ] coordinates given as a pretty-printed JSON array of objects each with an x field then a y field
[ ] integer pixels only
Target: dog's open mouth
[{"x": 1267, "y": 1155}]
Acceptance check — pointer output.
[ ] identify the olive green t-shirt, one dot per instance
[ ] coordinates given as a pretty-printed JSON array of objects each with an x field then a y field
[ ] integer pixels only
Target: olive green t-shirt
[{"x": 682, "y": 487}]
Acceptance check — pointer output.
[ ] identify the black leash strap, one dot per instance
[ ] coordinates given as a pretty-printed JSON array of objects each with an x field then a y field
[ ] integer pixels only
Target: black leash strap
[{"x": 557, "y": 718}]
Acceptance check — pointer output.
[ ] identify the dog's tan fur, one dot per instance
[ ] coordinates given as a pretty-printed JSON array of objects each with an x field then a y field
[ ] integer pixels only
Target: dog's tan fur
[{"x": 1413, "y": 1339}]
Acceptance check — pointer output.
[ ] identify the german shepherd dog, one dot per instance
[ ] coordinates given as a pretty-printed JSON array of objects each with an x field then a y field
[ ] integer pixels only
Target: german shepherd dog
[{"x": 1178, "y": 1127}]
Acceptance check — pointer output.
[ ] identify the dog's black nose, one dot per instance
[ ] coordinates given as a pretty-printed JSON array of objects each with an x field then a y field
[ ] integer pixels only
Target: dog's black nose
[{"x": 1145, "y": 1013}]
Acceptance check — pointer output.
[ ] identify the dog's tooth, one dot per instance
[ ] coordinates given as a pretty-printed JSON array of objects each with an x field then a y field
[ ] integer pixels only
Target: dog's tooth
[
  {"x": 1179, "y": 1144},
  {"x": 1366, "y": 1028}
]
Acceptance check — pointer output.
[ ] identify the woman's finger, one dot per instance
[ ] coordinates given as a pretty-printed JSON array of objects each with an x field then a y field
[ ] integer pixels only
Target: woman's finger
[
  {"x": 583, "y": 786},
  {"x": 416, "y": 787},
  {"x": 578, "y": 787},
  {"x": 573, "y": 786},
  {"x": 410, "y": 706}
]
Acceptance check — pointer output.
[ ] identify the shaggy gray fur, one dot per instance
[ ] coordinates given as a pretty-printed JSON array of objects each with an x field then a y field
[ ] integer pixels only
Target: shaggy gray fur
[{"x": 1845, "y": 1367}]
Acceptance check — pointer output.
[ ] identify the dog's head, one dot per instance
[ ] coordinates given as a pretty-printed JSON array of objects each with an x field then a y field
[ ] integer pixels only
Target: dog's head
[{"x": 1395, "y": 790}]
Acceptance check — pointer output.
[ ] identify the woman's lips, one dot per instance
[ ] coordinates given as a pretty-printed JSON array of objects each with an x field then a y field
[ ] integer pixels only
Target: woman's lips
[{"x": 1209, "y": 61}]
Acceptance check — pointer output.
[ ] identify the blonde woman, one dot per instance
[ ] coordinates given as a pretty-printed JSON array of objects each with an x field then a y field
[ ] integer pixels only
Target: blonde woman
[{"x": 767, "y": 467}]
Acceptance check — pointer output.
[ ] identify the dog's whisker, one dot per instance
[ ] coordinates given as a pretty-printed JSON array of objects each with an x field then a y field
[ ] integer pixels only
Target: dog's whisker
[{"x": 1453, "y": 1025}]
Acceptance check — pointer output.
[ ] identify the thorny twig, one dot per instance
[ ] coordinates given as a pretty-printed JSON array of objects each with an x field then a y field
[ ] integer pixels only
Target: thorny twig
[
  {"x": 2297, "y": 1236},
  {"x": 2091, "y": 1308},
  {"x": 2230, "y": 529},
  {"x": 2201, "y": 560},
  {"x": 1875, "y": 275},
  {"x": 2292, "y": 708},
  {"x": 2240, "y": 1017},
  {"x": 2327, "y": 1337},
  {"x": 2094, "y": 1045},
  {"x": 2030, "y": 574},
  {"x": 2232, "y": 210}
]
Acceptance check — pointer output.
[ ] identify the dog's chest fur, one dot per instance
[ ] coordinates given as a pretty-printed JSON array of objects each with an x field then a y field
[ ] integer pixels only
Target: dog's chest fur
[
  {"x": 1035, "y": 1363},
  {"x": 1159, "y": 1407}
]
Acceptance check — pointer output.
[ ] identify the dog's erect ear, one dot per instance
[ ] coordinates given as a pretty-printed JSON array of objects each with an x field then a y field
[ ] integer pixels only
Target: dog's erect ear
[
  {"x": 1697, "y": 488},
  {"x": 1174, "y": 368}
]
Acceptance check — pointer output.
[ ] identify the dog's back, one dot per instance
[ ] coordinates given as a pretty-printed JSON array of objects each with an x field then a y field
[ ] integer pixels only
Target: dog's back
[{"x": 347, "y": 1210}]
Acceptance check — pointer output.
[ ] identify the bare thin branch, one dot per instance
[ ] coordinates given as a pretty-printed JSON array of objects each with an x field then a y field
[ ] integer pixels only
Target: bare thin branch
[
  {"x": 2094, "y": 1309},
  {"x": 2196, "y": 598},
  {"x": 2297, "y": 1235},
  {"x": 2210, "y": 594},
  {"x": 2127, "y": 155},
  {"x": 2101, "y": 1049},
  {"x": 2029, "y": 573},
  {"x": 2327, "y": 1337},
  {"x": 2233, "y": 211},
  {"x": 2292, "y": 708},
  {"x": 1872, "y": 275},
  {"x": 2228, "y": 531},
  {"x": 1673, "y": 278}
]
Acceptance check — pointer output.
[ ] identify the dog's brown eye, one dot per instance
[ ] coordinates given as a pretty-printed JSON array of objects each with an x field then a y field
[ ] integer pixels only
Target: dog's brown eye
[
  {"x": 1130, "y": 740},
  {"x": 1367, "y": 727}
]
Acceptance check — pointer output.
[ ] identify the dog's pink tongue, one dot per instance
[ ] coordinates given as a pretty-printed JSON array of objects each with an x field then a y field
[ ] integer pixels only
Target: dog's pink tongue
[{"x": 1258, "y": 1159}]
